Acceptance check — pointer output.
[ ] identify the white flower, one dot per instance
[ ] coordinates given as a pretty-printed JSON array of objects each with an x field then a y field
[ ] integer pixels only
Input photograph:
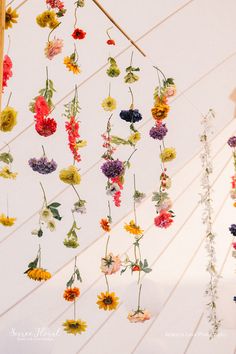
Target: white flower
[
  {"x": 113, "y": 188},
  {"x": 51, "y": 225},
  {"x": 34, "y": 232},
  {"x": 46, "y": 214}
]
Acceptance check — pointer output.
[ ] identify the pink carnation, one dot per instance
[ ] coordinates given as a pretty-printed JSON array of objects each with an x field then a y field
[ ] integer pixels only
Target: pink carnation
[
  {"x": 164, "y": 219},
  {"x": 41, "y": 108},
  {"x": 53, "y": 48},
  {"x": 110, "y": 264},
  {"x": 139, "y": 316}
]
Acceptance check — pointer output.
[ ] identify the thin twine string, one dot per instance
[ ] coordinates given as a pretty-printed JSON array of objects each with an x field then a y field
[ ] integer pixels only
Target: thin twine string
[{"x": 96, "y": 240}]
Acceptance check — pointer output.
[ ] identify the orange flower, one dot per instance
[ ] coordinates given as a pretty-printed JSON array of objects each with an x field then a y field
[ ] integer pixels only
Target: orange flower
[
  {"x": 160, "y": 110},
  {"x": 105, "y": 225},
  {"x": 70, "y": 294}
]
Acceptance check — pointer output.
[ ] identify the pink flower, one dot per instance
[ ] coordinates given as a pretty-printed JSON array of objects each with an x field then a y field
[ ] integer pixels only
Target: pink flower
[
  {"x": 110, "y": 264},
  {"x": 166, "y": 204},
  {"x": 164, "y": 219},
  {"x": 7, "y": 71},
  {"x": 41, "y": 107},
  {"x": 139, "y": 316},
  {"x": 170, "y": 91},
  {"x": 234, "y": 245},
  {"x": 53, "y": 48}
]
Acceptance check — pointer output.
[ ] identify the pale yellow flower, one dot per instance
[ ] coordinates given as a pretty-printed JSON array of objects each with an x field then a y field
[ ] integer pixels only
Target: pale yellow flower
[{"x": 109, "y": 104}]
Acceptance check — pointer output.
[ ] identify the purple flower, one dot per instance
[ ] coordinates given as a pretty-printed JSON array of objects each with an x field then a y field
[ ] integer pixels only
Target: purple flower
[
  {"x": 232, "y": 141},
  {"x": 234, "y": 298},
  {"x": 232, "y": 229},
  {"x": 158, "y": 131},
  {"x": 131, "y": 115},
  {"x": 42, "y": 165},
  {"x": 112, "y": 168}
]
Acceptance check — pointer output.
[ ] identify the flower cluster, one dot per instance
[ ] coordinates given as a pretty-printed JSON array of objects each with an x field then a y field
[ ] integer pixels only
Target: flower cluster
[
  {"x": 42, "y": 165},
  {"x": 47, "y": 19},
  {"x": 7, "y": 71},
  {"x": 58, "y": 6}
]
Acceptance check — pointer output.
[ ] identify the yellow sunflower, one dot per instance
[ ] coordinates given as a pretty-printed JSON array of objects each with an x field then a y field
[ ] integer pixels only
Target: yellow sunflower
[
  {"x": 134, "y": 138},
  {"x": 168, "y": 154},
  {"x": 6, "y": 221},
  {"x": 72, "y": 65},
  {"x": 133, "y": 229},
  {"x": 6, "y": 173},
  {"x": 160, "y": 110},
  {"x": 109, "y": 104},
  {"x": 8, "y": 119},
  {"x": 10, "y": 17},
  {"x": 70, "y": 175},
  {"x": 39, "y": 274},
  {"x": 75, "y": 326},
  {"x": 107, "y": 301}
]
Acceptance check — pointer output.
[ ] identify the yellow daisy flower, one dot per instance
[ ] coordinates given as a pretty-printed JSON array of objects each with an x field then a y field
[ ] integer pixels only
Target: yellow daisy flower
[
  {"x": 72, "y": 65},
  {"x": 134, "y": 138},
  {"x": 109, "y": 104},
  {"x": 39, "y": 274},
  {"x": 75, "y": 326},
  {"x": 6, "y": 173},
  {"x": 107, "y": 301},
  {"x": 8, "y": 119},
  {"x": 10, "y": 17},
  {"x": 6, "y": 221},
  {"x": 70, "y": 175},
  {"x": 168, "y": 154},
  {"x": 133, "y": 229}
]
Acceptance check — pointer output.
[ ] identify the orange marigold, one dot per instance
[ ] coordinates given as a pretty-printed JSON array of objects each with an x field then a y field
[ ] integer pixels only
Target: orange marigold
[
  {"x": 160, "y": 110},
  {"x": 70, "y": 294},
  {"x": 105, "y": 225}
]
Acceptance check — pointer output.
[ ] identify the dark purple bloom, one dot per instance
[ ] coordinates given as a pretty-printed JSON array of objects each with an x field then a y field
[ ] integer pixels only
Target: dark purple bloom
[
  {"x": 232, "y": 141},
  {"x": 112, "y": 168},
  {"x": 158, "y": 131},
  {"x": 232, "y": 229},
  {"x": 235, "y": 298},
  {"x": 42, "y": 165},
  {"x": 131, "y": 115}
]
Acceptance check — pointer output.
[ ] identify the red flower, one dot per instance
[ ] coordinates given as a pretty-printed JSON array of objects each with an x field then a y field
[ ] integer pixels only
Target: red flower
[
  {"x": 164, "y": 219},
  {"x": 117, "y": 195},
  {"x": 7, "y": 72},
  {"x": 135, "y": 268},
  {"x": 72, "y": 128},
  {"x": 45, "y": 126},
  {"x": 78, "y": 34},
  {"x": 234, "y": 245},
  {"x": 55, "y": 4},
  {"x": 41, "y": 107},
  {"x": 111, "y": 42}
]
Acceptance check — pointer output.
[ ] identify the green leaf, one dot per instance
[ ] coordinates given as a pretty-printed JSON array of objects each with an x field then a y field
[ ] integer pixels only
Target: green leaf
[
  {"x": 32, "y": 265},
  {"x": 6, "y": 157},
  {"x": 147, "y": 270},
  {"x": 123, "y": 270},
  {"x": 145, "y": 263},
  {"x": 55, "y": 213},
  {"x": 70, "y": 282},
  {"x": 54, "y": 205},
  {"x": 77, "y": 272}
]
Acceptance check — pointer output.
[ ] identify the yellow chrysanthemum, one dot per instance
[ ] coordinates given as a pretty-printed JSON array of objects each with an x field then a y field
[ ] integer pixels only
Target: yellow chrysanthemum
[
  {"x": 134, "y": 138},
  {"x": 81, "y": 144},
  {"x": 107, "y": 301},
  {"x": 160, "y": 110},
  {"x": 72, "y": 65},
  {"x": 8, "y": 119},
  {"x": 6, "y": 221},
  {"x": 133, "y": 229},
  {"x": 70, "y": 175},
  {"x": 109, "y": 104},
  {"x": 168, "y": 154},
  {"x": 47, "y": 18},
  {"x": 75, "y": 326},
  {"x": 10, "y": 17},
  {"x": 6, "y": 173},
  {"x": 39, "y": 274}
]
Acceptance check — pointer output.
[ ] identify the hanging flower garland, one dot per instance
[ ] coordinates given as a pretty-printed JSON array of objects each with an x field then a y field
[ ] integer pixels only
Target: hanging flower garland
[
  {"x": 5, "y": 219},
  {"x": 71, "y": 294},
  {"x": 71, "y": 174},
  {"x": 163, "y": 203},
  {"x": 47, "y": 216},
  {"x": 42, "y": 106},
  {"x": 71, "y": 61},
  {"x": 113, "y": 169},
  {"x": 232, "y": 228},
  {"x": 206, "y": 199},
  {"x": 11, "y": 17},
  {"x": 35, "y": 270},
  {"x": 137, "y": 264},
  {"x": 110, "y": 264}
]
